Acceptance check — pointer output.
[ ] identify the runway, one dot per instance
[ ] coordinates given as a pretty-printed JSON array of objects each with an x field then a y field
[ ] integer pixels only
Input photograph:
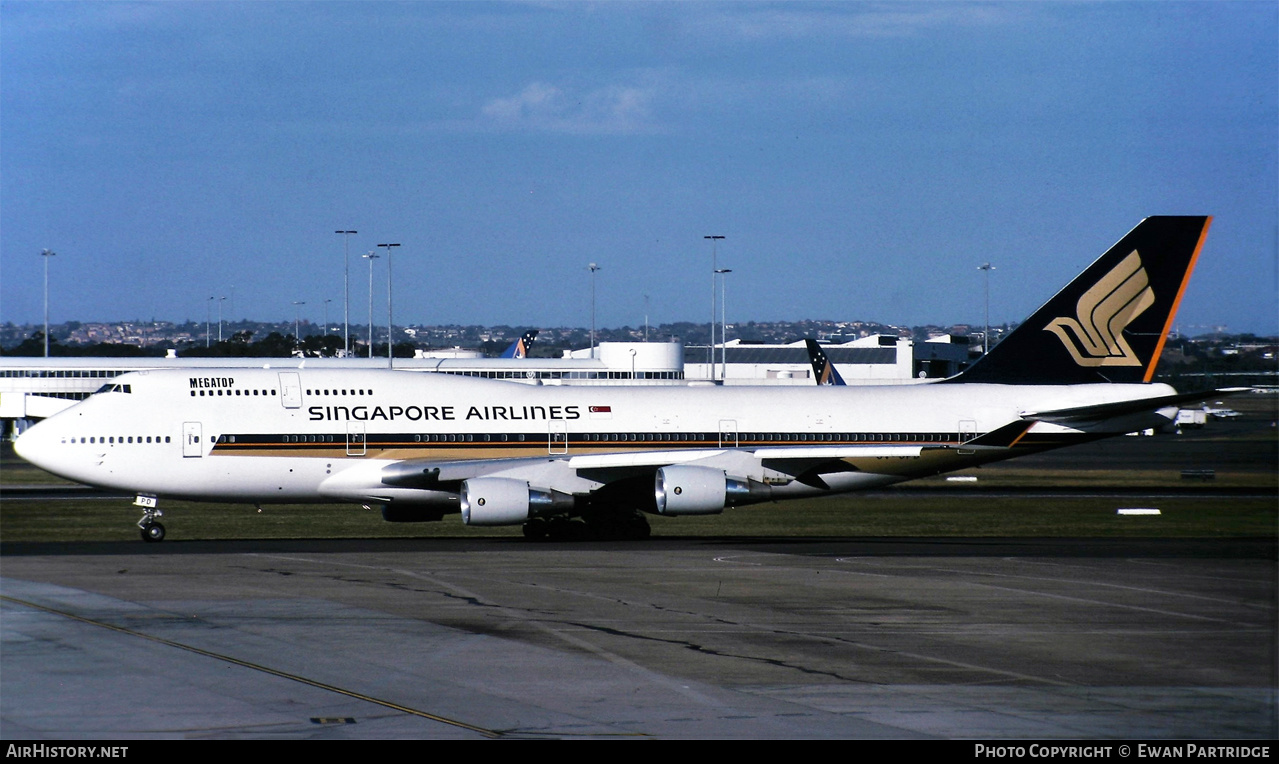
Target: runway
[{"x": 846, "y": 638}]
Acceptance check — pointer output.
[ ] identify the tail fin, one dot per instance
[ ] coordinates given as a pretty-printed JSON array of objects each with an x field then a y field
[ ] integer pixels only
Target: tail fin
[
  {"x": 1110, "y": 323},
  {"x": 520, "y": 347},
  {"x": 823, "y": 369}
]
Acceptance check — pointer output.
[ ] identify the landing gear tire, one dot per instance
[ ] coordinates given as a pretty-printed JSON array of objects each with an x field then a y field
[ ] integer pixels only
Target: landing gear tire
[
  {"x": 620, "y": 526},
  {"x": 150, "y": 526},
  {"x": 610, "y": 526},
  {"x": 153, "y": 532},
  {"x": 564, "y": 529},
  {"x": 535, "y": 529},
  {"x": 638, "y": 528}
]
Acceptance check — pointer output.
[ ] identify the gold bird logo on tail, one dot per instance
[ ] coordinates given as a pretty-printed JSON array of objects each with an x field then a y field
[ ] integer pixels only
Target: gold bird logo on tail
[{"x": 1103, "y": 312}]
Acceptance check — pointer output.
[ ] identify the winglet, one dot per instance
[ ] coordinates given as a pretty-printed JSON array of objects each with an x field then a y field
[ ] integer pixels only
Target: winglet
[{"x": 1111, "y": 322}]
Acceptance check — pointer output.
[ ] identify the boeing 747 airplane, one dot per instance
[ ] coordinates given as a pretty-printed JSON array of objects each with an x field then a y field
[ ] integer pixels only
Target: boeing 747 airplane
[{"x": 552, "y": 458}]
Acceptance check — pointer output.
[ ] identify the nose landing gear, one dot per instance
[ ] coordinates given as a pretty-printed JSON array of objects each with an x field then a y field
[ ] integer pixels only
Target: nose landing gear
[{"x": 152, "y": 529}]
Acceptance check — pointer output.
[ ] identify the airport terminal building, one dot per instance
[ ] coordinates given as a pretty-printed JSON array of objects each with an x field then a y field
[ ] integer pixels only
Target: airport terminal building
[
  {"x": 876, "y": 360},
  {"x": 35, "y": 388}
]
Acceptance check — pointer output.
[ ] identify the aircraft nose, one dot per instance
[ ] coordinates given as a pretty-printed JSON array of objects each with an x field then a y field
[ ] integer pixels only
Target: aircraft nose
[{"x": 33, "y": 445}]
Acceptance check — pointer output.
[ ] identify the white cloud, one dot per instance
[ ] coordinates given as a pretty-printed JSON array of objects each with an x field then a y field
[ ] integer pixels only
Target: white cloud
[
  {"x": 614, "y": 109},
  {"x": 537, "y": 101}
]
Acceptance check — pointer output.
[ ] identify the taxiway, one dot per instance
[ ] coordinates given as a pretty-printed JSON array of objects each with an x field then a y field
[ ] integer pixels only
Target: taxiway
[{"x": 852, "y": 638}]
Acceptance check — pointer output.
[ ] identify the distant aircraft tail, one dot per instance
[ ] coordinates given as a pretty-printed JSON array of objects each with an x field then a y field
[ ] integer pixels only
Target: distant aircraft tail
[
  {"x": 1110, "y": 323},
  {"x": 520, "y": 347},
  {"x": 823, "y": 370}
]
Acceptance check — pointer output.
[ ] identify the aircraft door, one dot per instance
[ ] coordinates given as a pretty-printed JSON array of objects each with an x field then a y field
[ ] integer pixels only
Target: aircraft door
[
  {"x": 557, "y": 438},
  {"x": 356, "y": 438},
  {"x": 967, "y": 431},
  {"x": 191, "y": 445},
  {"x": 728, "y": 433},
  {"x": 291, "y": 389}
]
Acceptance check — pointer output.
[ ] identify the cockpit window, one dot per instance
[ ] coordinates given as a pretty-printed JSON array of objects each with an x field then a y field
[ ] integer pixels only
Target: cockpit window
[{"x": 114, "y": 388}]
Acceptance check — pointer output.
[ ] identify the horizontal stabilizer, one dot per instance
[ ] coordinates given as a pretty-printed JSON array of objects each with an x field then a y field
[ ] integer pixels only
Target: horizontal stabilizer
[{"x": 1103, "y": 411}]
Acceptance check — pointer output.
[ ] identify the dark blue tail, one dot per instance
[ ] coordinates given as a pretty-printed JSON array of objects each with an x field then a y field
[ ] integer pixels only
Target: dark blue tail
[
  {"x": 520, "y": 347},
  {"x": 1110, "y": 323},
  {"x": 823, "y": 369}
]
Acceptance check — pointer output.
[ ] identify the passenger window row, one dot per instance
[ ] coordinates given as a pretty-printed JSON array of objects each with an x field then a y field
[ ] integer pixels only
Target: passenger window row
[
  {"x": 325, "y": 391},
  {"x": 111, "y": 439},
  {"x": 228, "y": 393}
]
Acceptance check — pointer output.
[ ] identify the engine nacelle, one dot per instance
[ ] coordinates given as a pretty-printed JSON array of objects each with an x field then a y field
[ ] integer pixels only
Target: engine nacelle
[
  {"x": 503, "y": 501},
  {"x": 687, "y": 490}
]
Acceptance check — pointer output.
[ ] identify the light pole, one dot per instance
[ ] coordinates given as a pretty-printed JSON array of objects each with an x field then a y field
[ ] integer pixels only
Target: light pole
[
  {"x": 389, "y": 318},
  {"x": 985, "y": 337},
  {"x": 346, "y": 290},
  {"x": 723, "y": 322},
  {"x": 46, "y": 254},
  {"x": 297, "y": 307},
  {"x": 715, "y": 240},
  {"x": 646, "y": 318},
  {"x": 208, "y": 321},
  {"x": 220, "y": 301},
  {"x": 371, "y": 257},
  {"x": 592, "y": 268},
  {"x": 326, "y": 318}
]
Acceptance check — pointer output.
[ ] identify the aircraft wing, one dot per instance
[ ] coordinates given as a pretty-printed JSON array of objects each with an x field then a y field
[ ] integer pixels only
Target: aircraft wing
[
  {"x": 604, "y": 468},
  {"x": 435, "y": 475},
  {"x": 583, "y": 475}
]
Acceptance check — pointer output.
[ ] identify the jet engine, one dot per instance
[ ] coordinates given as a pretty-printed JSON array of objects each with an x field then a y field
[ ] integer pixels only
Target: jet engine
[
  {"x": 687, "y": 490},
  {"x": 504, "y": 501}
]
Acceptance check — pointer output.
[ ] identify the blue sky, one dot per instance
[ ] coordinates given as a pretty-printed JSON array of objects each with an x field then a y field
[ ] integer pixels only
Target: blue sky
[{"x": 862, "y": 159}]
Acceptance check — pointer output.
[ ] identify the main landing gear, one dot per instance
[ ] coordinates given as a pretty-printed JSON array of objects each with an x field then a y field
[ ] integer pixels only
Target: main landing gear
[
  {"x": 598, "y": 526},
  {"x": 152, "y": 529}
]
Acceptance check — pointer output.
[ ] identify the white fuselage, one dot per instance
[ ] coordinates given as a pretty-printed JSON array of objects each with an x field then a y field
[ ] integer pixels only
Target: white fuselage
[{"x": 305, "y": 435}]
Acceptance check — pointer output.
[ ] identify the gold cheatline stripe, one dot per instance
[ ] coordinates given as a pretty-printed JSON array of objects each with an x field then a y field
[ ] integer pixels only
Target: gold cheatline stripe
[
  {"x": 273, "y": 672},
  {"x": 536, "y": 448},
  {"x": 642, "y": 445}
]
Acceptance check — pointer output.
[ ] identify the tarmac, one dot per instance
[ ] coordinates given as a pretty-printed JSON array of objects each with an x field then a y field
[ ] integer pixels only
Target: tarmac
[
  {"x": 718, "y": 638},
  {"x": 873, "y": 638}
]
